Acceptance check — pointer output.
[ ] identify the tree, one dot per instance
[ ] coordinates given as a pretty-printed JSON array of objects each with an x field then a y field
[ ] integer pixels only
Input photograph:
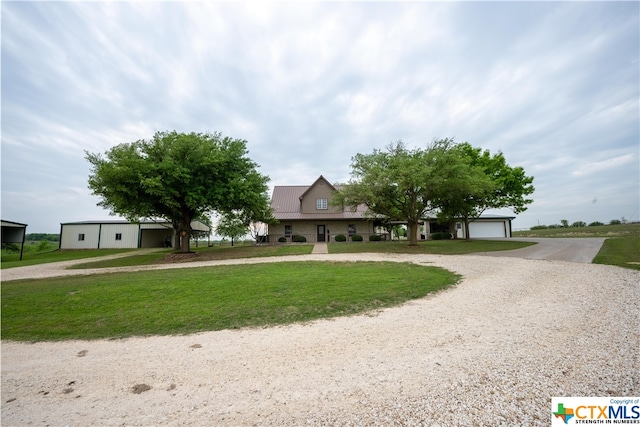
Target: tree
[
  {"x": 398, "y": 184},
  {"x": 237, "y": 223},
  {"x": 231, "y": 226},
  {"x": 565, "y": 223},
  {"x": 177, "y": 177},
  {"x": 486, "y": 182}
]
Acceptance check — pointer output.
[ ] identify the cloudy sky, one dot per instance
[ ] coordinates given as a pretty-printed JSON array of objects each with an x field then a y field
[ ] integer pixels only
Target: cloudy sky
[{"x": 554, "y": 86}]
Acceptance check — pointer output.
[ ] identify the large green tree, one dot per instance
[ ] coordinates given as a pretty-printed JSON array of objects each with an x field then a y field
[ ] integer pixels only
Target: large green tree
[
  {"x": 178, "y": 177},
  {"x": 490, "y": 183},
  {"x": 401, "y": 184}
]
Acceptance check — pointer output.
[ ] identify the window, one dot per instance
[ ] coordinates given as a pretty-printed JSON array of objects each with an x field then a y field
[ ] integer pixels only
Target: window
[
  {"x": 352, "y": 229},
  {"x": 80, "y": 236},
  {"x": 118, "y": 236},
  {"x": 321, "y": 204},
  {"x": 287, "y": 230}
]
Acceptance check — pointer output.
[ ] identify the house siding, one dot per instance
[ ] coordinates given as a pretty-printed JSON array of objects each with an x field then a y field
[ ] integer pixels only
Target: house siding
[
  {"x": 308, "y": 229},
  {"x": 321, "y": 190},
  {"x": 70, "y": 232},
  {"x": 128, "y": 232}
]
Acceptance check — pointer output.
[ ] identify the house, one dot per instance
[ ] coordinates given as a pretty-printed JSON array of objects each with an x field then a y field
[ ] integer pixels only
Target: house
[
  {"x": 306, "y": 211},
  {"x": 119, "y": 234},
  {"x": 14, "y": 232}
]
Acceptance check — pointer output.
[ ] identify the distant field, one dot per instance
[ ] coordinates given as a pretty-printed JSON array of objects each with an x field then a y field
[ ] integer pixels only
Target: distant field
[{"x": 620, "y": 230}]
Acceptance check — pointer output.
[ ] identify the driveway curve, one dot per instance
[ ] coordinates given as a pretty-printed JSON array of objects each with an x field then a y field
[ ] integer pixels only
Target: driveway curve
[
  {"x": 582, "y": 249},
  {"x": 491, "y": 350}
]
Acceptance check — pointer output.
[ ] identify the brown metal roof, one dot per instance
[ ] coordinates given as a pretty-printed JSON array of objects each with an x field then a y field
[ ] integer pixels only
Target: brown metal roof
[{"x": 285, "y": 203}]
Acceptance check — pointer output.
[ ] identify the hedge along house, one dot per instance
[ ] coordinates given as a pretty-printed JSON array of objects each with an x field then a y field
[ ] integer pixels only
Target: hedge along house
[
  {"x": 14, "y": 232},
  {"x": 119, "y": 234},
  {"x": 306, "y": 211}
]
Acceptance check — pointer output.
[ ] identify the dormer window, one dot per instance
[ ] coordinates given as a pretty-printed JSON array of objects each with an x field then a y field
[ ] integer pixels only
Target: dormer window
[{"x": 321, "y": 204}]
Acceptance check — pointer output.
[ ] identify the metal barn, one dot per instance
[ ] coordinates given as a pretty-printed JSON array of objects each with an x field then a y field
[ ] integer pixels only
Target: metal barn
[{"x": 118, "y": 234}]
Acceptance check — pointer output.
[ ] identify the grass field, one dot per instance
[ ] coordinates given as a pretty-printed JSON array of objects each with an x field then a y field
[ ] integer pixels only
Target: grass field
[
  {"x": 620, "y": 230},
  {"x": 185, "y": 301},
  {"x": 217, "y": 253},
  {"x": 33, "y": 257},
  {"x": 205, "y": 299},
  {"x": 620, "y": 251},
  {"x": 443, "y": 247}
]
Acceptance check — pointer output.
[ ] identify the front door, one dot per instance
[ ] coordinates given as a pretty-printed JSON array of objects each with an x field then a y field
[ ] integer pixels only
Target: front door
[{"x": 321, "y": 233}]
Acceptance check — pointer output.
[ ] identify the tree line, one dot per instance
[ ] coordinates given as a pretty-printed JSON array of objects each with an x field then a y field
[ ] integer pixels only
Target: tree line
[{"x": 181, "y": 177}]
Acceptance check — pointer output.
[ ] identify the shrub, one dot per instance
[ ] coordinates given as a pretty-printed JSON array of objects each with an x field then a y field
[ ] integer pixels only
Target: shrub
[
  {"x": 340, "y": 238},
  {"x": 282, "y": 240},
  {"x": 441, "y": 236},
  {"x": 375, "y": 238},
  {"x": 615, "y": 222},
  {"x": 579, "y": 224},
  {"x": 356, "y": 238},
  {"x": 595, "y": 223},
  {"x": 539, "y": 227},
  {"x": 299, "y": 239}
]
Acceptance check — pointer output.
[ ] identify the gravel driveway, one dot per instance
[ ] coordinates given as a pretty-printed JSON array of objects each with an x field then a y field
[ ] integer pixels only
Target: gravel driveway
[{"x": 493, "y": 350}]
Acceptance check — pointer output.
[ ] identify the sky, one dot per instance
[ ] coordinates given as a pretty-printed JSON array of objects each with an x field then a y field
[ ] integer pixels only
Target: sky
[{"x": 554, "y": 86}]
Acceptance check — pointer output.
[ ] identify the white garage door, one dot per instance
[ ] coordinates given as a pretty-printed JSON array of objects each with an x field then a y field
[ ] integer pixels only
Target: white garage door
[{"x": 486, "y": 229}]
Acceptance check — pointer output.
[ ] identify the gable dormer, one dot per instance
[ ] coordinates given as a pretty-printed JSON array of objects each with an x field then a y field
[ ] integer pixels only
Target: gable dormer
[{"x": 317, "y": 198}]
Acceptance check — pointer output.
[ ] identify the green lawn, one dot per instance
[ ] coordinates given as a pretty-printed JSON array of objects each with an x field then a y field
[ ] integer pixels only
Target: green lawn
[
  {"x": 33, "y": 257},
  {"x": 620, "y": 251},
  {"x": 218, "y": 253},
  {"x": 201, "y": 254},
  {"x": 445, "y": 247},
  {"x": 185, "y": 301}
]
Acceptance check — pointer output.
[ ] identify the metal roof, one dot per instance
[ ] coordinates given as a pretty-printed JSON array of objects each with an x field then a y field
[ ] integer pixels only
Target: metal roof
[
  {"x": 6, "y": 223},
  {"x": 201, "y": 226},
  {"x": 285, "y": 203}
]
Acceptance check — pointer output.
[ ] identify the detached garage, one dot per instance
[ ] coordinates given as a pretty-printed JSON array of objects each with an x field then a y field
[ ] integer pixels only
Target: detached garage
[
  {"x": 118, "y": 234},
  {"x": 488, "y": 227},
  {"x": 485, "y": 227}
]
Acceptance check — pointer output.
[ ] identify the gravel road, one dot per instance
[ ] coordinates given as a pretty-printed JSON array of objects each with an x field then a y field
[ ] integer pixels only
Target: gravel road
[{"x": 492, "y": 350}]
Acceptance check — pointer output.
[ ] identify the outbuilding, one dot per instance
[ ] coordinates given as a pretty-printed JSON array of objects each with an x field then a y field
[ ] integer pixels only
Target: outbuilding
[
  {"x": 14, "y": 232},
  {"x": 119, "y": 234}
]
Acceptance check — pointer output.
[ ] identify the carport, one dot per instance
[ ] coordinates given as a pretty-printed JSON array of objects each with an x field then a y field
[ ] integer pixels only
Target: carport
[{"x": 14, "y": 232}]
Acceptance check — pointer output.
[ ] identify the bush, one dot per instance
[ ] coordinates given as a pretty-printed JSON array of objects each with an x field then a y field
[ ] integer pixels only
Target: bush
[
  {"x": 375, "y": 238},
  {"x": 299, "y": 239},
  {"x": 356, "y": 238},
  {"x": 282, "y": 240},
  {"x": 615, "y": 222},
  {"x": 340, "y": 238},
  {"x": 441, "y": 236},
  {"x": 595, "y": 223},
  {"x": 539, "y": 227},
  {"x": 579, "y": 224}
]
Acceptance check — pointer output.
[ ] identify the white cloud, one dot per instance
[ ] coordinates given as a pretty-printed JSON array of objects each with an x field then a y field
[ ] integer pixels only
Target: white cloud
[
  {"x": 606, "y": 165},
  {"x": 555, "y": 86}
]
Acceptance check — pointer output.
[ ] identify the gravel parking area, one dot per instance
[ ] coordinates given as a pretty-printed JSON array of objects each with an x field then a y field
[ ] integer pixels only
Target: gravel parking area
[{"x": 493, "y": 350}]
